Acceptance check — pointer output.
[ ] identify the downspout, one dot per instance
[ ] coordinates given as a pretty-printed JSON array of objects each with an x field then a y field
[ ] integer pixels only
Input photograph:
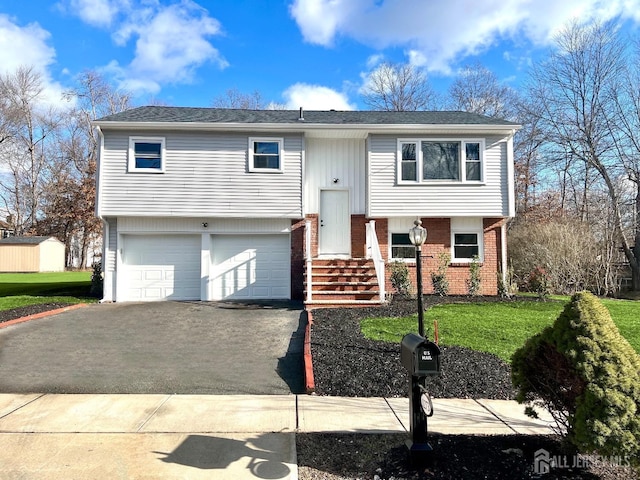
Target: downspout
[{"x": 503, "y": 251}]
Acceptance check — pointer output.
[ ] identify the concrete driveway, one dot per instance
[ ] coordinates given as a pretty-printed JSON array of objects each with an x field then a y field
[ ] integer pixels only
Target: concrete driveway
[{"x": 160, "y": 347}]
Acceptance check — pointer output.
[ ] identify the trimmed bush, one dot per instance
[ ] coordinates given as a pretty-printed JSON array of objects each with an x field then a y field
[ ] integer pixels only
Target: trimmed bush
[
  {"x": 587, "y": 375},
  {"x": 473, "y": 282},
  {"x": 400, "y": 279},
  {"x": 439, "y": 277}
]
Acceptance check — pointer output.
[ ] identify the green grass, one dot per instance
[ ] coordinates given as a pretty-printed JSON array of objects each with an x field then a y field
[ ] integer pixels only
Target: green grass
[
  {"x": 499, "y": 328},
  {"x": 22, "y": 289}
]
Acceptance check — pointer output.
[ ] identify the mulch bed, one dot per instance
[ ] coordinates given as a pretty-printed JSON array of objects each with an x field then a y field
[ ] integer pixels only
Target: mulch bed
[
  {"x": 20, "y": 312},
  {"x": 347, "y": 364}
]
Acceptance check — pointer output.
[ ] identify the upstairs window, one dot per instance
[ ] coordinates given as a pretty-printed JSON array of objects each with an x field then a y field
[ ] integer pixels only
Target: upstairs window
[
  {"x": 409, "y": 162},
  {"x": 146, "y": 154},
  {"x": 441, "y": 160},
  {"x": 472, "y": 165},
  {"x": 266, "y": 155},
  {"x": 426, "y": 161}
]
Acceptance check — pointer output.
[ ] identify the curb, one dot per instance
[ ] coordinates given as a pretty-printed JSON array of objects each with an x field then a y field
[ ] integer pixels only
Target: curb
[
  {"x": 309, "y": 381},
  {"x": 42, "y": 314}
]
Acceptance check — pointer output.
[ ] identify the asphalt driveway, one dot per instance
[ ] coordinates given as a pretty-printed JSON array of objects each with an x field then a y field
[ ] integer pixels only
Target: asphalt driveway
[{"x": 160, "y": 347}]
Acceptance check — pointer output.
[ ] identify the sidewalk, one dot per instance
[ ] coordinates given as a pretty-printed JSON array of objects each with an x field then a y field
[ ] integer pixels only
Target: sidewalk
[{"x": 200, "y": 436}]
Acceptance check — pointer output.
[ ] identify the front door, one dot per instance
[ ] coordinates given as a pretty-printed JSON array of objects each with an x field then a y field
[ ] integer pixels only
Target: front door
[{"x": 335, "y": 225}]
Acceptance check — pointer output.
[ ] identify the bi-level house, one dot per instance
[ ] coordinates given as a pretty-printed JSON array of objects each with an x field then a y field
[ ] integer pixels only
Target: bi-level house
[{"x": 217, "y": 204}]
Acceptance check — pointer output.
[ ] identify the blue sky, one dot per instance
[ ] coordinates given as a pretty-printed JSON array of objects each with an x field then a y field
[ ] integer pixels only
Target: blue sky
[{"x": 311, "y": 53}]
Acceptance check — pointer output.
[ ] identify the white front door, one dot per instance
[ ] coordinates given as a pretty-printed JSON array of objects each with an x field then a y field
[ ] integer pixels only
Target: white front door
[{"x": 335, "y": 223}]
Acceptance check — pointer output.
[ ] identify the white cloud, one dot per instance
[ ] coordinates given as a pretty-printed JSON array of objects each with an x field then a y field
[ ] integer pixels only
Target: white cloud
[
  {"x": 99, "y": 13},
  {"x": 374, "y": 60},
  {"x": 171, "y": 41},
  {"x": 24, "y": 46},
  {"x": 28, "y": 46},
  {"x": 439, "y": 31},
  {"x": 315, "y": 97}
]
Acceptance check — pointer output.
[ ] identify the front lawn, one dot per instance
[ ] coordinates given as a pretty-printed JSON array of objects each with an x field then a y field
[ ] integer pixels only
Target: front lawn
[
  {"x": 495, "y": 327},
  {"x": 22, "y": 289}
]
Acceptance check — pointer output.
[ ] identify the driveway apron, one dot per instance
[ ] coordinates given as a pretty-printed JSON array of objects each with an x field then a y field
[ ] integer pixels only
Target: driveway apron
[{"x": 159, "y": 347}]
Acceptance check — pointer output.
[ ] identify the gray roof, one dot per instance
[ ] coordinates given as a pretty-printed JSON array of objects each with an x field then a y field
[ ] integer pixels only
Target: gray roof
[
  {"x": 158, "y": 114},
  {"x": 25, "y": 240}
]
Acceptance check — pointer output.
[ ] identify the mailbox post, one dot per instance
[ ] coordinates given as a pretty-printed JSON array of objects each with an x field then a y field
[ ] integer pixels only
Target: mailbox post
[{"x": 421, "y": 358}]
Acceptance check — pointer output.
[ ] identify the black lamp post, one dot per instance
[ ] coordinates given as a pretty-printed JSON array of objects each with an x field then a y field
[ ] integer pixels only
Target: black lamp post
[{"x": 417, "y": 236}]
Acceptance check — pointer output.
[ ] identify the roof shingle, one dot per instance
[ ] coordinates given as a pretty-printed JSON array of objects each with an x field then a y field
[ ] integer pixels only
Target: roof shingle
[{"x": 160, "y": 114}]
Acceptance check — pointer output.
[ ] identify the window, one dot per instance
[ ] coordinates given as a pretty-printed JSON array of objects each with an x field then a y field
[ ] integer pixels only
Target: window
[
  {"x": 265, "y": 155},
  {"x": 401, "y": 246},
  {"x": 472, "y": 151},
  {"x": 409, "y": 163},
  {"x": 146, "y": 154},
  {"x": 439, "y": 161}
]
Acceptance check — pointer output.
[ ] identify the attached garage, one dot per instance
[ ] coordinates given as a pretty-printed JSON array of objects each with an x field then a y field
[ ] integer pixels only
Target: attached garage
[
  {"x": 160, "y": 267},
  {"x": 245, "y": 267}
]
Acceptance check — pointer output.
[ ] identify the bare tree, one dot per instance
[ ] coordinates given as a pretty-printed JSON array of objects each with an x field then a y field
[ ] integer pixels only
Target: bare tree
[
  {"x": 70, "y": 201},
  {"x": 477, "y": 89},
  {"x": 29, "y": 128},
  {"x": 576, "y": 89},
  {"x": 397, "y": 87},
  {"x": 234, "y": 98}
]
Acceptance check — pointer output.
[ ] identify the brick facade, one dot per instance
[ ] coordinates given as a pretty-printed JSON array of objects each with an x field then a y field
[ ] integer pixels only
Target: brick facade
[{"x": 438, "y": 242}]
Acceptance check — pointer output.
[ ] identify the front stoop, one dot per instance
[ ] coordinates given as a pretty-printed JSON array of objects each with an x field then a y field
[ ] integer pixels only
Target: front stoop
[{"x": 343, "y": 282}]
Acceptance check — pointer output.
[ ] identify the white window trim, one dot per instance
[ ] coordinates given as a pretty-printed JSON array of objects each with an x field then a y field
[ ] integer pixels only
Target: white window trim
[
  {"x": 131, "y": 165},
  {"x": 394, "y": 259},
  {"x": 463, "y": 231},
  {"x": 419, "y": 160},
  {"x": 280, "y": 142}
]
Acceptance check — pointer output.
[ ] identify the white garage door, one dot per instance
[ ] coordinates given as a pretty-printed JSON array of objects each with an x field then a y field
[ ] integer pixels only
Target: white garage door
[
  {"x": 160, "y": 267},
  {"x": 250, "y": 267}
]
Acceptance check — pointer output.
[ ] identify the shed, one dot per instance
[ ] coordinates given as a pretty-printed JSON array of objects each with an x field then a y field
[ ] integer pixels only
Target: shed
[{"x": 31, "y": 254}]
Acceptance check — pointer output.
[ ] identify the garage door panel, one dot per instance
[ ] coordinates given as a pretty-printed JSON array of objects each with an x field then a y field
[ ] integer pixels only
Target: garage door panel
[
  {"x": 250, "y": 267},
  {"x": 161, "y": 267}
]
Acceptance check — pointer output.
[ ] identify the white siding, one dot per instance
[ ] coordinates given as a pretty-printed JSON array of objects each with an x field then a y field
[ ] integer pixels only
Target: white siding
[
  {"x": 387, "y": 198},
  {"x": 111, "y": 245},
  {"x": 194, "y": 225},
  {"x": 205, "y": 175},
  {"x": 331, "y": 158}
]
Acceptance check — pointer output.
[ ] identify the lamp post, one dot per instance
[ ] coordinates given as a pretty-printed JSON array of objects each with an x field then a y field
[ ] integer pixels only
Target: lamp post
[
  {"x": 417, "y": 236},
  {"x": 421, "y": 358}
]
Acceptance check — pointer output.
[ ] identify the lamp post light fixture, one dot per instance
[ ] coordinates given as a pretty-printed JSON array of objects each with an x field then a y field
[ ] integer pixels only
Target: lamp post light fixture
[{"x": 417, "y": 236}]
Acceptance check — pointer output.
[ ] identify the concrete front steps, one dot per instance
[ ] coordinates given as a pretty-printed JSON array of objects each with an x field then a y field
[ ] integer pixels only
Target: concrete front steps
[{"x": 343, "y": 282}]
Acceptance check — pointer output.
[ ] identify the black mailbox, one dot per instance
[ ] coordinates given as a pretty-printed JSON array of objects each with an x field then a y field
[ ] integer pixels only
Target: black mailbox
[{"x": 419, "y": 356}]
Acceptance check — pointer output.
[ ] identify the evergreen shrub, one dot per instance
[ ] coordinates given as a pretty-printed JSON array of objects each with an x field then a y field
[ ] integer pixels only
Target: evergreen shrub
[{"x": 587, "y": 375}]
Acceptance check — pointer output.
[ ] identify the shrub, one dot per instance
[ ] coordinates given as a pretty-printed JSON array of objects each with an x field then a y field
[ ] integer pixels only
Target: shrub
[
  {"x": 473, "y": 282},
  {"x": 96, "y": 281},
  {"x": 400, "y": 278},
  {"x": 587, "y": 375},
  {"x": 439, "y": 277},
  {"x": 538, "y": 282}
]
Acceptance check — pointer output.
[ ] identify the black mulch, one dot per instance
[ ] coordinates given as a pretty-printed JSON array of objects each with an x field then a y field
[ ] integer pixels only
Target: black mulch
[
  {"x": 19, "y": 312},
  {"x": 347, "y": 364}
]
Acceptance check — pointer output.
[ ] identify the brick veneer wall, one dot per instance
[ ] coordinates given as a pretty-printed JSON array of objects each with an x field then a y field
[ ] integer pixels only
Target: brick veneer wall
[
  {"x": 439, "y": 241},
  {"x": 297, "y": 259}
]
